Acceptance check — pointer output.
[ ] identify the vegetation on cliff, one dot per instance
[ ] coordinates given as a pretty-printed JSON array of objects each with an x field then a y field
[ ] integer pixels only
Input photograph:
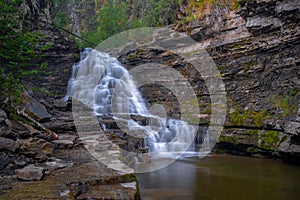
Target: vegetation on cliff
[
  {"x": 98, "y": 20},
  {"x": 18, "y": 47}
]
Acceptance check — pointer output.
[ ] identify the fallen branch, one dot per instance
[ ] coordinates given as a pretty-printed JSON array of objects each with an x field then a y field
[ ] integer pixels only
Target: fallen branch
[
  {"x": 50, "y": 135},
  {"x": 69, "y": 32}
]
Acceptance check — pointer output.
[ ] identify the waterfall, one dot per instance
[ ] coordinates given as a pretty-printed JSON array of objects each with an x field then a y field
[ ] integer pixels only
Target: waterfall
[{"x": 102, "y": 83}]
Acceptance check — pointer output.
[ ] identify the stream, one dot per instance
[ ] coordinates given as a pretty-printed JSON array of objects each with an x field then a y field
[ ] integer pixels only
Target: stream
[{"x": 222, "y": 177}]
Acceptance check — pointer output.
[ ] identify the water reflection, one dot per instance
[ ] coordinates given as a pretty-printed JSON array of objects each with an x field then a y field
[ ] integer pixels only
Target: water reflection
[{"x": 222, "y": 177}]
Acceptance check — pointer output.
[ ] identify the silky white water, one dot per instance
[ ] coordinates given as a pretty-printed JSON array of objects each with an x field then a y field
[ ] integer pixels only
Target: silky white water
[{"x": 103, "y": 84}]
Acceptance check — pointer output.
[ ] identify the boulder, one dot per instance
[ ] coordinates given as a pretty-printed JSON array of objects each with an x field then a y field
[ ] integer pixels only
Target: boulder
[
  {"x": 30, "y": 173},
  {"x": 35, "y": 109},
  {"x": 3, "y": 116},
  {"x": 8, "y": 144}
]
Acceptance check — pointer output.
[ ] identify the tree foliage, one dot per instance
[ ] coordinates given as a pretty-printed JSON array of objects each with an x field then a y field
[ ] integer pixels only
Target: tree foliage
[
  {"x": 162, "y": 12},
  {"x": 116, "y": 16},
  {"x": 18, "y": 47}
]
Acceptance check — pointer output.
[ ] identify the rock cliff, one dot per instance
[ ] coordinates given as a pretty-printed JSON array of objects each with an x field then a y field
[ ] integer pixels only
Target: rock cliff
[
  {"x": 256, "y": 49},
  {"x": 60, "y": 56}
]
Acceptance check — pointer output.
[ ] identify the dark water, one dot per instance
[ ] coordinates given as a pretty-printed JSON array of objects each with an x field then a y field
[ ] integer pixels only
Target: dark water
[{"x": 223, "y": 177}]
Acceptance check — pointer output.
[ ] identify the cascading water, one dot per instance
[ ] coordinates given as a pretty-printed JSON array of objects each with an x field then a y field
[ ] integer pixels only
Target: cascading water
[{"x": 106, "y": 86}]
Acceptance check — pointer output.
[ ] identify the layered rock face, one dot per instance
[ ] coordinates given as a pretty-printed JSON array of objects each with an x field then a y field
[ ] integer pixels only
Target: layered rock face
[
  {"x": 256, "y": 49},
  {"x": 60, "y": 54},
  {"x": 258, "y": 57}
]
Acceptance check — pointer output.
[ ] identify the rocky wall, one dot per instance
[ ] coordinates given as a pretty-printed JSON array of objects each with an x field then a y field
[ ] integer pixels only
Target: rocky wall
[
  {"x": 256, "y": 49},
  {"x": 60, "y": 53}
]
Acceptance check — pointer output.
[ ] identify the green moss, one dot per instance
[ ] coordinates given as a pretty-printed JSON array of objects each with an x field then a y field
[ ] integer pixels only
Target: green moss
[
  {"x": 286, "y": 104},
  {"x": 132, "y": 56},
  {"x": 294, "y": 91},
  {"x": 237, "y": 118},
  {"x": 228, "y": 139},
  {"x": 248, "y": 65},
  {"x": 258, "y": 117},
  {"x": 242, "y": 118},
  {"x": 252, "y": 132},
  {"x": 252, "y": 150},
  {"x": 234, "y": 45},
  {"x": 75, "y": 56},
  {"x": 235, "y": 5},
  {"x": 269, "y": 140},
  {"x": 129, "y": 178}
]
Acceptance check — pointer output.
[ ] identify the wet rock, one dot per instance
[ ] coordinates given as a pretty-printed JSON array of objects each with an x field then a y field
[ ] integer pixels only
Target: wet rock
[
  {"x": 30, "y": 173},
  {"x": 8, "y": 144},
  {"x": 61, "y": 126},
  {"x": 35, "y": 109},
  {"x": 129, "y": 185},
  {"x": 55, "y": 163},
  {"x": 291, "y": 127},
  {"x": 61, "y": 105},
  {"x": 63, "y": 144},
  {"x": 77, "y": 188},
  {"x": 298, "y": 117},
  {"x": 262, "y": 22},
  {"x": 4, "y": 161},
  {"x": 19, "y": 163},
  {"x": 5, "y": 131},
  {"x": 65, "y": 141},
  {"x": 3, "y": 116},
  {"x": 287, "y": 6},
  {"x": 46, "y": 104},
  {"x": 35, "y": 147},
  {"x": 32, "y": 131},
  {"x": 19, "y": 129}
]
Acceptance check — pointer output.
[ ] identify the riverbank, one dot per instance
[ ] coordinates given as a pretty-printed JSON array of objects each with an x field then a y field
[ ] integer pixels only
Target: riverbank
[{"x": 36, "y": 165}]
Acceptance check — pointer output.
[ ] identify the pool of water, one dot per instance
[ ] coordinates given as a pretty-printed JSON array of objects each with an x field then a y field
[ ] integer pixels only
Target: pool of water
[{"x": 221, "y": 177}]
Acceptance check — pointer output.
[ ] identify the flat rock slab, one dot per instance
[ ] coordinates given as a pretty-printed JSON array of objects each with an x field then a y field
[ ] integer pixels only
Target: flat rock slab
[
  {"x": 65, "y": 141},
  {"x": 87, "y": 178},
  {"x": 30, "y": 173},
  {"x": 54, "y": 163},
  {"x": 35, "y": 109}
]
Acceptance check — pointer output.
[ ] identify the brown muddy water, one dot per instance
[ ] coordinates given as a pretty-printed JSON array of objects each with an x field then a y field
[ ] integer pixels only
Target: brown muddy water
[{"x": 221, "y": 177}]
